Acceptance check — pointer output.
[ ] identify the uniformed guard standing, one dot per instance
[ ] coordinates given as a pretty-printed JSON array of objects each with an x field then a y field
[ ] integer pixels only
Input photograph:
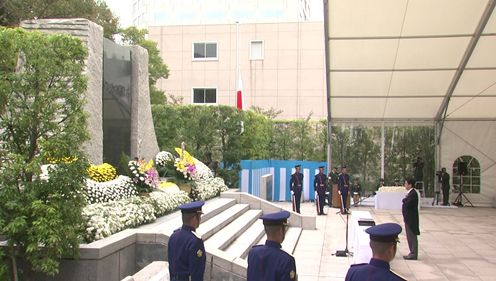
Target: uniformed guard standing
[
  {"x": 319, "y": 186},
  {"x": 344, "y": 186},
  {"x": 269, "y": 262},
  {"x": 296, "y": 187},
  {"x": 383, "y": 239},
  {"x": 185, "y": 248}
]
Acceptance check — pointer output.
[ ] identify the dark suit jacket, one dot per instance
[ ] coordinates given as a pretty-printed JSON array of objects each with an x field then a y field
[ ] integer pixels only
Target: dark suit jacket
[{"x": 410, "y": 211}]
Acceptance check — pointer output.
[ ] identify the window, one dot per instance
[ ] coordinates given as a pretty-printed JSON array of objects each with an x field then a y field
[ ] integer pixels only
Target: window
[
  {"x": 205, "y": 96},
  {"x": 256, "y": 50},
  {"x": 470, "y": 176},
  {"x": 204, "y": 51}
]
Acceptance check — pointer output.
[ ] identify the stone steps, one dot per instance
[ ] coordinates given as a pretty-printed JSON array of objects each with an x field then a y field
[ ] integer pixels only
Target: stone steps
[
  {"x": 210, "y": 210},
  {"x": 215, "y": 224},
  {"x": 242, "y": 245},
  {"x": 290, "y": 241},
  {"x": 231, "y": 232},
  {"x": 292, "y": 237}
]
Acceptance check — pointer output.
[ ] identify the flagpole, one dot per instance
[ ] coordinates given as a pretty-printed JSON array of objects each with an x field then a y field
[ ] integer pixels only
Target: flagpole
[{"x": 237, "y": 59}]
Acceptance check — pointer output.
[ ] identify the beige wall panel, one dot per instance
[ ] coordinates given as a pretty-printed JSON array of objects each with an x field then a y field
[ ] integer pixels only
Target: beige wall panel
[
  {"x": 287, "y": 59},
  {"x": 312, "y": 79},
  {"x": 173, "y": 60},
  {"x": 270, "y": 60},
  {"x": 312, "y": 59},
  {"x": 167, "y": 30},
  {"x": 311, "y": 105},
  {"x": 287, "y": 80},
  {"x": 288, "y": 41},
  {"x": 312, "y": 40}
]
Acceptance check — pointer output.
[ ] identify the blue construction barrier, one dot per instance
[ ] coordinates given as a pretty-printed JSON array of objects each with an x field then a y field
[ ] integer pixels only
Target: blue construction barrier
[{"x": 281, "y": 170}]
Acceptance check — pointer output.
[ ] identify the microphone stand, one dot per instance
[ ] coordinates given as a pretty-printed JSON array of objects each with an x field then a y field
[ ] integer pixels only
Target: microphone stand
[{"x": 345, "y": 252}]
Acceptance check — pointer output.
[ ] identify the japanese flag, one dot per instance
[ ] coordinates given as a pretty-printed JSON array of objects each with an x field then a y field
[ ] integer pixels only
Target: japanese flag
[{"x": 239, "y": 93}]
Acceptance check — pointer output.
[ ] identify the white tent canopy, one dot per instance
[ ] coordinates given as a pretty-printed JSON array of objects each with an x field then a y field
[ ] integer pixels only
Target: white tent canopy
[
  {"x": 410, "y": 59},
  {"x": 418, "y": 62}
]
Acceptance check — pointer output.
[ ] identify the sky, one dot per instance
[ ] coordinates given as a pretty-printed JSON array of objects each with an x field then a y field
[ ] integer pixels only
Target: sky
[{"x": 123, "y": 10}]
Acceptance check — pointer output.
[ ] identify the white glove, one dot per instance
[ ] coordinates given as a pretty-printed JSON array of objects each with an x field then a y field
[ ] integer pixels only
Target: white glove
[
  {"x": 292, "y": 192},
  {"x": 316, "y": 194}
]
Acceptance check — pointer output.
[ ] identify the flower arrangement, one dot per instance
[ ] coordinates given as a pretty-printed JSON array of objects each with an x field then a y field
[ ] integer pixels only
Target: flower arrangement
[
  {"x": 185, "y": 164},
  {"x": 120, "y": 188},
  {"x": 183, "y": 168},
  {"x": 105, "y": 219},
  {"x": 207, "y": 188},
  {"x": 102, "y": 173},
  {"x": 145, "y": 176}
]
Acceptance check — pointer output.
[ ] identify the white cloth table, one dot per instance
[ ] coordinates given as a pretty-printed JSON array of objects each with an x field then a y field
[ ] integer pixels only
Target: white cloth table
[
  {"x": 359, "y": 239},
  {"x": 389, "y": 200}
]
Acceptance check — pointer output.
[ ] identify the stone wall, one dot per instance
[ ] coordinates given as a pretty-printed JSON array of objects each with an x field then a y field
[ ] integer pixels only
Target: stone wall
[
  {"x": 143, "y": 139},
  {"x": 92, "y": 35}
]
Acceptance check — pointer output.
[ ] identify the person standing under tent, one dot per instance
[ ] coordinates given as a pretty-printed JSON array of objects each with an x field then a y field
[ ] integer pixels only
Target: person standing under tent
[
  {"x": 344, "y": 187},
  {"x": 445, "y": 185},
  {"x": 410, "y": 210}
]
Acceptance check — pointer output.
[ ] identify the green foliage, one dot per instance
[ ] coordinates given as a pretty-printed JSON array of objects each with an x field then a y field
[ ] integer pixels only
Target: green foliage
[
  {"x": 217, "y": 130},
  {"x": 42, "y": 82},
  {"x": 157, "y": 69},
  {"x": 12, "y": 12}
]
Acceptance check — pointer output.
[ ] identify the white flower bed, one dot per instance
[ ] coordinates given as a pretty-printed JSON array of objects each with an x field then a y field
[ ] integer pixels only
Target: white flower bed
[
  {"x": 166, "y": 201},
  {"x": 120, "y": 188},
  {"x": 105, "y": 219},
  {"x": 208, "y": 188}
]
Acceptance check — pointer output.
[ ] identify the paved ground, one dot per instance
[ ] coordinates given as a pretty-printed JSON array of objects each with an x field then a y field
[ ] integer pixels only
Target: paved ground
[{"x": 455, "y": 244}]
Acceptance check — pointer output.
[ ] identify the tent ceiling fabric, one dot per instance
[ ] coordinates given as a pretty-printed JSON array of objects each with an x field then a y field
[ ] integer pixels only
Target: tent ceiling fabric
[{"x": 396, "y": 59}]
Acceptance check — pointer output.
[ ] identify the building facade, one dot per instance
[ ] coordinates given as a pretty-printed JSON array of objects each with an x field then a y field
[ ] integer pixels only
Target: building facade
[
  {"x": 180, "y": 12},
  {"x": 282, "y": 65}
]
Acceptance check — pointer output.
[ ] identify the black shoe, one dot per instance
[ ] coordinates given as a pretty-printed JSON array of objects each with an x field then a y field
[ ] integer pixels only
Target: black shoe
[
  {"x": 324, "y": 214},
  {"x": 409, "y": 257}
]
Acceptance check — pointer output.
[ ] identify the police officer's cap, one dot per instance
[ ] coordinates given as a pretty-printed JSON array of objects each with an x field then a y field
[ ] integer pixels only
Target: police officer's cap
[
  {"x": 298, "y": 166},
  {"x": 321, "y": 167},
  {"x": 386, "y": 232},
  {"x": 193, "y": 207},
  {"x": 276, "y": 218}
]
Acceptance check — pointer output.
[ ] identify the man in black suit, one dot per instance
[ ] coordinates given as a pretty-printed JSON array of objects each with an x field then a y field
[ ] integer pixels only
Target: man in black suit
[
  {"x": 411, "y": 217},
  {"x": 445, "y": 184}
]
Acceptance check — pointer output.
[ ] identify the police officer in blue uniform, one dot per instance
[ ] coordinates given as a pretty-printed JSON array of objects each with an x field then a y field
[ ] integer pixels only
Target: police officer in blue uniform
[
  {"x": 319, "y": 186},
  {"x": 296, "y": 187},
  {"x": 185, "y": 248},
  {"x": 383, "y": 239},
  {"x": 269, "y": 262},
  {"x": 344, "y": 187}
]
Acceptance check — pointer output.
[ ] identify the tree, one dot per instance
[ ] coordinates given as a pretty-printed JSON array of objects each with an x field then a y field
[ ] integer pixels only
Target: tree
[
  {"x": 157, "y": 69},
  {"x": 43, "y": 121},
  {"x": 14, "y": 11}
]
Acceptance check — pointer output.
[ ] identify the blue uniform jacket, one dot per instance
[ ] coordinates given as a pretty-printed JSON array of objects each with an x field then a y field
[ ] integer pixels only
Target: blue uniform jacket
[
  {"x": 186, "y": 255},
  {"x": 344, "y": 183},
  {"x": 376, "y": 270},
  {"x": 268, "y": 263},
  {"x": 320, "y": 183},
  {"x": 296, "y": 182}
]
